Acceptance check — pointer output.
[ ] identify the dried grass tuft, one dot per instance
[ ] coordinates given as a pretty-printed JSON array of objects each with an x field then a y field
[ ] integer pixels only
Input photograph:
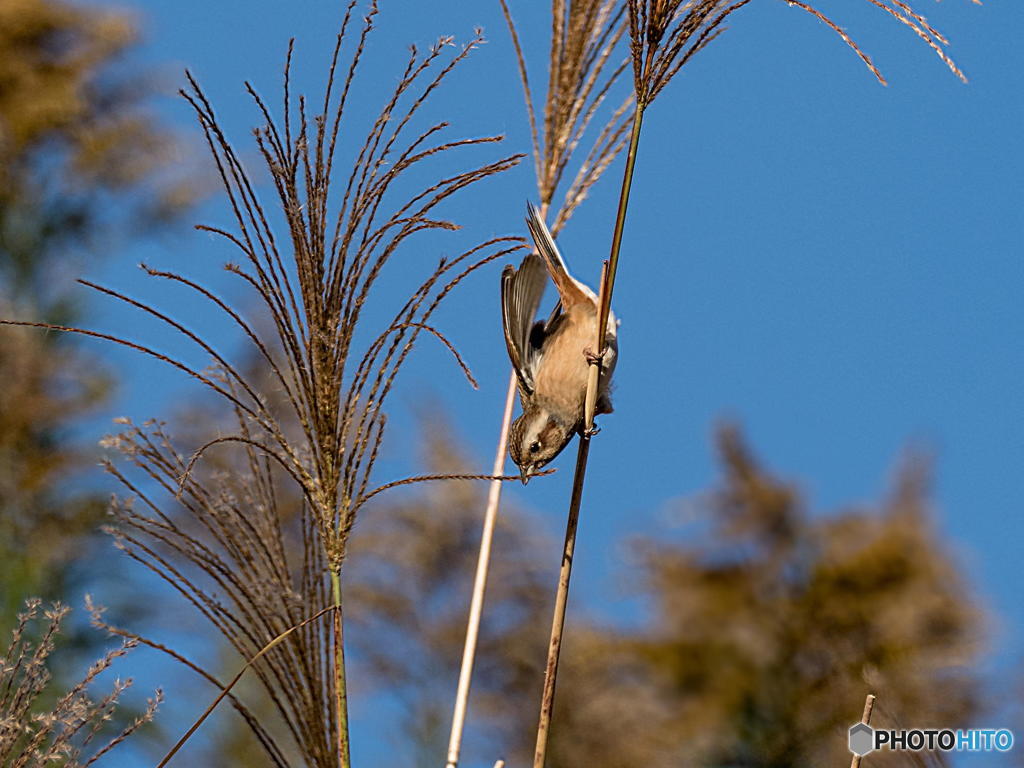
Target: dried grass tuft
[
  {"x": 228, "y": 542},
  {"x": 75, "y": 731},
  {"x": 666, "y": 34},
  {"x": 585, "y": 62}
]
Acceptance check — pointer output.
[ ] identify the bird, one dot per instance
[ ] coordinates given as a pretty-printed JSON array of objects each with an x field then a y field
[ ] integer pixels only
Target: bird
[{"x": 551, "y": 357}]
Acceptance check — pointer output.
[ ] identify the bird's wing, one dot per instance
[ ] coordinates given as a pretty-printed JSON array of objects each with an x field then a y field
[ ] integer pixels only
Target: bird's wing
[
  {"x": 570, "y": 290},
  {"x": 521, "y": 291}
]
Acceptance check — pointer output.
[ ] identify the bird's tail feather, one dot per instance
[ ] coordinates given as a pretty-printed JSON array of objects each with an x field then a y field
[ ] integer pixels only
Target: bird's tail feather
[{"x": 569, "y": 290}]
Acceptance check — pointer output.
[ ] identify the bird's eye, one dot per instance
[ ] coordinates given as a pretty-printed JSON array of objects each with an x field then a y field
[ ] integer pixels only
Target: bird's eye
[{"x": 534, "y": 446}]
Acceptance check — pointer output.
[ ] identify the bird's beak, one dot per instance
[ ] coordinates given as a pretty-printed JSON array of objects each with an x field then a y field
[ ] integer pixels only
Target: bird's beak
[{"x": 525, "y": 474}]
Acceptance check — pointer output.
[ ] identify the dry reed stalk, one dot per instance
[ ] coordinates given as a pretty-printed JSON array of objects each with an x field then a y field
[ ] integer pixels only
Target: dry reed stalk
[
  {"x": 869, "y": 704},
  {"x": 480, "y": 584},
  {"x": 258, "y": 551},
  {"x": 664, "y": 35},
  {"x": 583, "y": 68}
]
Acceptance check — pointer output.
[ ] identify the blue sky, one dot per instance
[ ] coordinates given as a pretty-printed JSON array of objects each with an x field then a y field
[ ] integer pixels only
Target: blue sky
[{"x": 834, "y": 264}]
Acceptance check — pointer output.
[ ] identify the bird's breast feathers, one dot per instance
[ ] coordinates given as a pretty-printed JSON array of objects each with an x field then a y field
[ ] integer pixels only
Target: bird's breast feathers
[{"x": 561, "y": 369}]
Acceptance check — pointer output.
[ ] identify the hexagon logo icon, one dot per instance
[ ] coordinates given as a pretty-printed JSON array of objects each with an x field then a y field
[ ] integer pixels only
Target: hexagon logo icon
[{"x": 862, "y": 739}]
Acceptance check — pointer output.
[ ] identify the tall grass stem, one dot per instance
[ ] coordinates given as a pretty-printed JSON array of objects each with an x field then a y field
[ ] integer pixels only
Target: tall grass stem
[
  {"x": 869, "y": 704},
  {"x": 565, "y": 573},
  {"x": 561, "y": 600},
  {"x": 340, "y": 684},
  {"x": 480, "y": 582},
  {"x": 620, "y": 215}
]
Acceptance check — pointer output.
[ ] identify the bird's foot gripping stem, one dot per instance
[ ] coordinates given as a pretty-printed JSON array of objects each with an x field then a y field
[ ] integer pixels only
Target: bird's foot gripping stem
[{"x": 593, "y": 358}]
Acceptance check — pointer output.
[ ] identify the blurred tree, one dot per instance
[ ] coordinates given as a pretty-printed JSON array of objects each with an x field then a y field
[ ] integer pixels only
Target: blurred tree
[
  {"x": 79, "y": 154},
  {"x": 81, "y": 161},
  {"x": 771, "y": 632},
  {"x": 767, "y": 629}
]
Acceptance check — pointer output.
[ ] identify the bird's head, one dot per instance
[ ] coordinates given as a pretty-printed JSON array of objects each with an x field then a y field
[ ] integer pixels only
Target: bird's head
[{"x": 536, "y": 437}]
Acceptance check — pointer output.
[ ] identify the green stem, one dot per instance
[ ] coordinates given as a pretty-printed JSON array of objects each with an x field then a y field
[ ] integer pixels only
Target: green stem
[{"x": 340, "y": 692}]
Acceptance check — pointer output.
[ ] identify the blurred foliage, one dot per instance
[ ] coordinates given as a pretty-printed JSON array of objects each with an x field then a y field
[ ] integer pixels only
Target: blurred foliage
[
  {"x": 768, "y": 626},
  {"x": 770, "y": 633},
  {"x": 81, "y": 162},
  {"x": 80, "y": 155},
  {"x": 43, "y": 521}
]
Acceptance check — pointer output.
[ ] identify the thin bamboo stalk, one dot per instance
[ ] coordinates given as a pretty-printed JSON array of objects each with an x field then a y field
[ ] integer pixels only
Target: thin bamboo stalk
[
  {"x": 562, "y": 593},
  {"x": 620, "y": 215},
  {"x": 482, "y": 566},
  {"x": 561, "y": 600},
  {"x": 480, "y": 583},
  {"x": 594, "y": 372},
  {"x": 569, "y": 547}
]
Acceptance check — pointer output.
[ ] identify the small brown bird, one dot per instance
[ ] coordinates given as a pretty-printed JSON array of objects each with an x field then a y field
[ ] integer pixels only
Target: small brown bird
[{"x": 551, "y": 358}]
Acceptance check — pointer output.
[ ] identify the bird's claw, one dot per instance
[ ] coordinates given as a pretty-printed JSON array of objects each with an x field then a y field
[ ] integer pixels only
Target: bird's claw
[
  {"x": 592, "y": 431},
  {"x": 592, "y": 358}
]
